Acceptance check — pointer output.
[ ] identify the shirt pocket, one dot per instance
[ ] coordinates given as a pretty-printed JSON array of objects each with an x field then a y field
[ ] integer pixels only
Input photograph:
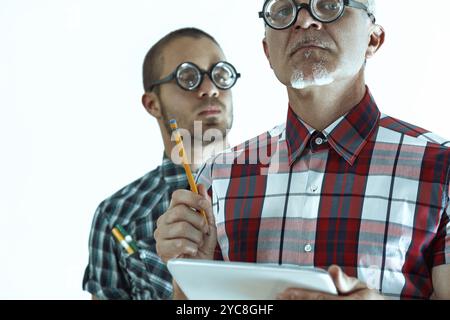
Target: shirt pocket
[{"x": 148, "y": 275}]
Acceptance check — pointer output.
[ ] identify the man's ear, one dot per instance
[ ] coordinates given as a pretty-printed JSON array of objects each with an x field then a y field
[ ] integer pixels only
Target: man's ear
[
  {"x": 151, "y": 103},
  {"x": 266, "y": 50},
  {"x": 376, "y": 40}
]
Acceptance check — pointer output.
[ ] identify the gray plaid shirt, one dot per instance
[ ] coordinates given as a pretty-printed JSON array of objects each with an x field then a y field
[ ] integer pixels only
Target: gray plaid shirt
[{"x": 111, "y": 272}]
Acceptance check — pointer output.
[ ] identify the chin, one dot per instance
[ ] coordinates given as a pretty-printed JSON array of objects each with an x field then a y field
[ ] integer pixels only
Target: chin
[
  {"x": 216, "y": 127},
  {"x": 215, "y": 120},
  {"x": 316, "y": 74}
]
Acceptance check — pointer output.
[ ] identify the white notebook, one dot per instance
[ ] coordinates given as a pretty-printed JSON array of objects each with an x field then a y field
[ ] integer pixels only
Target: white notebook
[{"x": 218, "y": 280}]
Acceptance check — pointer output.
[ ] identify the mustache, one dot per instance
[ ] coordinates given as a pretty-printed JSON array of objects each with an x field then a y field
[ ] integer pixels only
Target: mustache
[
  {"x": 307, "y": 41},
  {"x": 211, "y": 102}
]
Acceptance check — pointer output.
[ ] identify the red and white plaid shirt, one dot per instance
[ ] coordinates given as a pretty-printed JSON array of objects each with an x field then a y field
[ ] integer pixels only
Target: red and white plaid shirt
[{"x": 369, "y": 193}]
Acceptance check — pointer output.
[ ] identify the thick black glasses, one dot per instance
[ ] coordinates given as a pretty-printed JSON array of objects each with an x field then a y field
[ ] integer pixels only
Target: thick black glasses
[
  {"x": 189, "y": 76},
  {"x": 282, "y": 14}
]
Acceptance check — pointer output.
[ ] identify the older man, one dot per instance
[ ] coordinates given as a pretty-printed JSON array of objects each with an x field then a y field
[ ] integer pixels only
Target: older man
[
  {"x": 186, "y": 77},
  {"x": 343, "y": 186}
]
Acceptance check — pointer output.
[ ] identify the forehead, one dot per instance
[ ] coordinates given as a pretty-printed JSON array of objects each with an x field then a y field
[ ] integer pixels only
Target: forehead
[{"x": 201, "y": 51}]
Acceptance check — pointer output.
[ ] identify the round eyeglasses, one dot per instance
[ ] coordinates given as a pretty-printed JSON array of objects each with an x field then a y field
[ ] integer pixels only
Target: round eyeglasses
[
  {"x": 189, "y": 76},
  {"x": 282, "y": 14}
]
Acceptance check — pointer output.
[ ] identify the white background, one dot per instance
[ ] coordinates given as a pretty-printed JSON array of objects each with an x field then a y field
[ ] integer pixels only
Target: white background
[{"x": 72, "y": 129}]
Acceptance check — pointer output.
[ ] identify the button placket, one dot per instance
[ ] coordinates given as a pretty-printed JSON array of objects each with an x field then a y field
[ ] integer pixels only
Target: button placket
[{"x": 312, "y": 201}]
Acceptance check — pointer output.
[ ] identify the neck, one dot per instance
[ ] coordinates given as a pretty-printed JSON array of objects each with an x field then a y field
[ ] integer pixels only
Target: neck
[
  {"x": 197, "y": 151},
  {"x": 320, "y": 106}
]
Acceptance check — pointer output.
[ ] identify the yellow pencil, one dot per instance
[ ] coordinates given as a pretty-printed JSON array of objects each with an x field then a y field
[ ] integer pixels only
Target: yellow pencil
[
  {"x": 122, "y": 240},
  {"x": 184, "y": 160}
]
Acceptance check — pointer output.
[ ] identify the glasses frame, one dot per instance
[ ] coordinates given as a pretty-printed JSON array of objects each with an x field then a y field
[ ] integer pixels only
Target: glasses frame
[
  {"x": 174, "y": 76},
  {"x": 307, "y": 6}
]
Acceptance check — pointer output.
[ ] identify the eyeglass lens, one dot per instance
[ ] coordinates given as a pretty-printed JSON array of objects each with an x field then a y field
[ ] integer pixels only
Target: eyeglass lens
[
  {"x": 281, "y": 13},
  {"x": 189, "y": 76}
]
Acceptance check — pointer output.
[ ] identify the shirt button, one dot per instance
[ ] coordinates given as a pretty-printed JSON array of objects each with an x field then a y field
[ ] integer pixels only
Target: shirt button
[
  {"x": 319, "y": 141},
  {"x": 308, "y": 248},
  {"x": 314, "y": 188}
]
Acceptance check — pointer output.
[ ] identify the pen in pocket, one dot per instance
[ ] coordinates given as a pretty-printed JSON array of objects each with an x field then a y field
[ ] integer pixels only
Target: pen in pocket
[{"x": 125, "y": 240}]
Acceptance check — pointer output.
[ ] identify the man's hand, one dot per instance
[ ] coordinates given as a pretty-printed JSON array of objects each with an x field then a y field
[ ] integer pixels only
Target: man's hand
[
  {"x": 182, "y": 232},
  {"x": 348, "y": 288}
]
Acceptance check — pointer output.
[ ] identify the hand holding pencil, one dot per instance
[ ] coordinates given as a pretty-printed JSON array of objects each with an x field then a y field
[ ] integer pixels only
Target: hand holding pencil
[{"x": 181, "y": 231}]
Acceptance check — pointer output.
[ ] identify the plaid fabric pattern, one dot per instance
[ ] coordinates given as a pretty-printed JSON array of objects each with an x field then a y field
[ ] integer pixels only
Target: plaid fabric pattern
[
  {"x": 369, "y": 193},
  {"x": 114, "y": 274}
]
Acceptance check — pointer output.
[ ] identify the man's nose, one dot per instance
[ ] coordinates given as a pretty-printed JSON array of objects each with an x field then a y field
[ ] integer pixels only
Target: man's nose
[
  {"x": 305, "y": 21},
  {"x": 208, "y": 88}
]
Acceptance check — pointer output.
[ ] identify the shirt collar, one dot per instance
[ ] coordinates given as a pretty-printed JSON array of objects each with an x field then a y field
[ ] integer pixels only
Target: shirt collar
[{"x": 347, "y": 135}]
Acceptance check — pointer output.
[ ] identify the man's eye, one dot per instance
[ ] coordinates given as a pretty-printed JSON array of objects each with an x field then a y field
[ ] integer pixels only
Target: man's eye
[
  {"x": 283, "y": 12},
  {"x": 330, "y": 6}
]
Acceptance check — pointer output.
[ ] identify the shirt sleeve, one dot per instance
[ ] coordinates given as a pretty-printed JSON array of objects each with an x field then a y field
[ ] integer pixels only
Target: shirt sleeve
[
  {"x": 103, "y": 276},
  {"x": 204, "y": 177},
  {"x": 441, "y": 247}
]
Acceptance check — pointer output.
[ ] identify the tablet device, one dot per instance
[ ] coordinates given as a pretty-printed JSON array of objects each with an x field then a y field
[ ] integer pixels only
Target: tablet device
[{"x": 219, "y": 280}]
